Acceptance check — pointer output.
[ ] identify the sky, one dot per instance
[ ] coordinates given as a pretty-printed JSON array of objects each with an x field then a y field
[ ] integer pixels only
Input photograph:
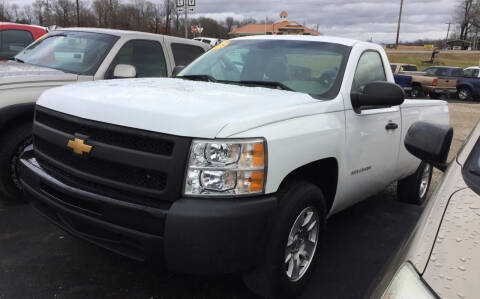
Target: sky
[{"x": 359, "y": 19}]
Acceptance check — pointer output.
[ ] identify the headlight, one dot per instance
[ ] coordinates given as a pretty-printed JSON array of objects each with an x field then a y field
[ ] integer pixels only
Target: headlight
[
  {"x": 408, "y": 284},
  {"x": 226, "y": 167}
]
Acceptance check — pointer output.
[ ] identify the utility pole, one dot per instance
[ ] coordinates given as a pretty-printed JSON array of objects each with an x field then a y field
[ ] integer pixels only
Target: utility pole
[
  {"x": 448, "y": 32},
  {"x": 186, "y": 18},
  {"x": 78, "y": 15},
  {"x": 399, "y": 22}
]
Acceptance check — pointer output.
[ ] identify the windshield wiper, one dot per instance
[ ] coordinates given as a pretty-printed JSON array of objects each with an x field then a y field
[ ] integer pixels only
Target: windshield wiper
[
  {"x": 199, "y": 77},
  {"x": 278, "y": 85},
  {"x": 18, "y": 60}
]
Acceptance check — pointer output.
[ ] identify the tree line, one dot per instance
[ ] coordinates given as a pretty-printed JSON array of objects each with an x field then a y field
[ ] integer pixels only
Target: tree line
[{"x": 142, "y": 15}]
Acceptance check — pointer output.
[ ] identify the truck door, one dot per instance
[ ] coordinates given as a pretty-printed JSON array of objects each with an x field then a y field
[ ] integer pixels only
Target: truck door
[{"x": 372, "y": 135}]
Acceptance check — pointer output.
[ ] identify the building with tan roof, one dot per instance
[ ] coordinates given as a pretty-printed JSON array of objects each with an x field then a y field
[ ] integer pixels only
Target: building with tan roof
[{"x": 284, "y": 26}]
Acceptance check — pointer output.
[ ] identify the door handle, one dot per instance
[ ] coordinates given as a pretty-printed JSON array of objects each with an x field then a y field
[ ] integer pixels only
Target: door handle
[{"x": 391, "y": 126}]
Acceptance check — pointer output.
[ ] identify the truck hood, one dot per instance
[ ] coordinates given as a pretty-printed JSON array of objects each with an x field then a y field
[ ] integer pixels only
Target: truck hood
[
  {"x": 15, "y": 73},
  {"x": 176, "y": 106}
]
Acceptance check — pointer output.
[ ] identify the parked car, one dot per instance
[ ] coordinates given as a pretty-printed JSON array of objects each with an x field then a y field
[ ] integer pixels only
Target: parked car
[
  {"x": 209, "y": 40},
  {"x": 234, "y": 165},
  {"x": 71, "y": 55},
  {"x": 468, "y": 88},
  {"x": 15, "y": 37},
  {"x": 441, "y": 258},
  {"x": 423, "y": 84}
]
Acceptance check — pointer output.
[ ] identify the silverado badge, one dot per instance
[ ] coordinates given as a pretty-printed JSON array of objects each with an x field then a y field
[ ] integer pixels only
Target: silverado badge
[{"x": 79, "y": 147}]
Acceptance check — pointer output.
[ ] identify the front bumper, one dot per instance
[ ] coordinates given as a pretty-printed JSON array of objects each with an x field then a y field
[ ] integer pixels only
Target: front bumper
[{"x": 192, "y": 235}]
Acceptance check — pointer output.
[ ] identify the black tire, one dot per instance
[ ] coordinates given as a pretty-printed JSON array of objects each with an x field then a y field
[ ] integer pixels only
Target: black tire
[
  {"x": 270, "y": 279},
  {"x": 12, "y": 142},
  {"x": 417, "y": 92},
  {"x": 434, "y": 95},
  {"x": 464, "y": 94},
  {"x": 409, "y": 189}
]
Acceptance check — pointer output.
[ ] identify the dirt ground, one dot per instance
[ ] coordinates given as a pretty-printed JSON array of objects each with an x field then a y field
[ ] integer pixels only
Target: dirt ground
[{"x": 450, "y": 58}]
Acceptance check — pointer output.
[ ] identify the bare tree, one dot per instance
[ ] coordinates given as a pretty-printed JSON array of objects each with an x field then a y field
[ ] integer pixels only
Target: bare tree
[
  {"x": 464, "y": 16},
  {"x": 4, "y": 14},
  {"x": 229, "y": 22},
  {"x": 28, "y": 14},
  {"x": 168, "y": 7}
]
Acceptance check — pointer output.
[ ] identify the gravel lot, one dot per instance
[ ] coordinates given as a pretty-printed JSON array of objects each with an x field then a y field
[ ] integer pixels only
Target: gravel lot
[{"x": 37, "y": 260}]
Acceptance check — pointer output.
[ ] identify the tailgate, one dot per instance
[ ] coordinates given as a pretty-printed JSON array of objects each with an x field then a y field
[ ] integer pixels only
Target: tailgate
[{"x": 447, "y": 83}]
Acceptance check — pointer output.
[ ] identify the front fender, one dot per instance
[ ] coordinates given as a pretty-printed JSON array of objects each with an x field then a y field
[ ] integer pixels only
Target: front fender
[{"x": 296, "y": 142}]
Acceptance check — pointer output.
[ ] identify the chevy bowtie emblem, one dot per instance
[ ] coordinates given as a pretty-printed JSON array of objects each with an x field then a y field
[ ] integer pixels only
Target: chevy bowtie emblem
[{"x": 79, "y": 147}]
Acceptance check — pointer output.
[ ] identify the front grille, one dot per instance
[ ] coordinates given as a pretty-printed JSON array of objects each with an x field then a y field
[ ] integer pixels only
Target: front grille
[
  {"x": 136, "y": 140},
  {"x": 126, "y": 164},
  {"x": 105, "y": 169}
]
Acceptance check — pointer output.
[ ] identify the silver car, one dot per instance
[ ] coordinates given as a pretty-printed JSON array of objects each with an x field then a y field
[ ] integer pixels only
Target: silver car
[{"x": 441, "y": 258}]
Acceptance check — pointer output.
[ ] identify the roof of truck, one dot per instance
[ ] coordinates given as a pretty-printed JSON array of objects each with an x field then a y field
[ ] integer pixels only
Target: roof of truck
[
  {"x": 327, "y": 39},
  {"x": 115, "y": 32},
  {"x": 132, "y": 34}
]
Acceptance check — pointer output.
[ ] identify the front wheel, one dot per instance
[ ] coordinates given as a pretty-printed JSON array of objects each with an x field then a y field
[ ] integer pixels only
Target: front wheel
[
  {"x": 414, "y": 188},
  {"x": 292, "y": 251}
]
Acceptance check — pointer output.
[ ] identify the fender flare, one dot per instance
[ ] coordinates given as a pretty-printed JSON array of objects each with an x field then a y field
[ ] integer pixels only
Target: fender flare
[{"x": 14, "y": 112}]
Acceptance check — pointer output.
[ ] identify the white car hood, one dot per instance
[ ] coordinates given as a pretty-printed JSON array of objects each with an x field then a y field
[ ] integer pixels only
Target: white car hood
[
  {"x": 176, "y": 106},
  {"x": 20, "y": 73}
]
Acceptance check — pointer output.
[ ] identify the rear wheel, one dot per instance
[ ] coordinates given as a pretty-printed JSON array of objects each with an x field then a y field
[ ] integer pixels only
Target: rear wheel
[
  {"x": 292, "y": 251},
  {"x": 464, "y": 94},
  {"x": 417, "y": 92},
  {"x": 414, "y": 188},
  {"x": 13, "y": 143}
]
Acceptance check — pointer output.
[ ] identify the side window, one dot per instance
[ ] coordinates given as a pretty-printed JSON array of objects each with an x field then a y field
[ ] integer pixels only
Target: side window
[
  {"x": 442, "y": 72},
  {"x": 183, "y": 54},
  {"x": 145, "y": 55},
  {"x": 394, "y": 68},
  {"x": 13, "y": 41},
  {"x": 458, "y": 73},
  {"x": 370, "y": 68},
  {"x": 430, "y": 72}
]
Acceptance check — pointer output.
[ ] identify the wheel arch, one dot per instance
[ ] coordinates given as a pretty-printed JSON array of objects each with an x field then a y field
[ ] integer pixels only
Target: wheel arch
[
  {"x": 15, "y": 114},
  {"x": 465, "y": 85},
  {"x": 322, "y": 173},
  {"x": 416, "y": 83}
]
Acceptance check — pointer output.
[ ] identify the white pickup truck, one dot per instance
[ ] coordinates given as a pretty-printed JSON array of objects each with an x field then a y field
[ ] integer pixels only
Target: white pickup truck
[
  {"x": 69, "y": 55},
  {"x": 233, "y": 166}
]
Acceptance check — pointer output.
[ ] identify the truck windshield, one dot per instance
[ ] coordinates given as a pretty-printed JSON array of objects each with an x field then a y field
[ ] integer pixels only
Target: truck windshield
[
  {"x": 70, "y": 51},
  {"x": 309, "y": 67}
]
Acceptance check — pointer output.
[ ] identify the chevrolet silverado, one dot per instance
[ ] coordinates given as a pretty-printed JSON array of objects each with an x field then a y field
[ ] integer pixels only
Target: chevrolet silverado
[{"x": 235, "y": 164}]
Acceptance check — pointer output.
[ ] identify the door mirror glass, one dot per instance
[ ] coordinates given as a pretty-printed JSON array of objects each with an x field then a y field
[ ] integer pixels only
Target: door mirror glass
[
  {"x": 377, "y": 95},
  {"x": 177, "y": 70},
  {"x": 124, "y": 71},
  {"x": 430, "y": 143}
]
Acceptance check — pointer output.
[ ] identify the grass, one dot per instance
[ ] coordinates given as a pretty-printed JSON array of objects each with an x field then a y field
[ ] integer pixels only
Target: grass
[{"x": 462, "y": 60}]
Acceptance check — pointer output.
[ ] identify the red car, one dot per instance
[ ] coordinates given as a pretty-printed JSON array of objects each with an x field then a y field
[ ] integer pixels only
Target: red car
[{"x": 15, "y": 37}]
